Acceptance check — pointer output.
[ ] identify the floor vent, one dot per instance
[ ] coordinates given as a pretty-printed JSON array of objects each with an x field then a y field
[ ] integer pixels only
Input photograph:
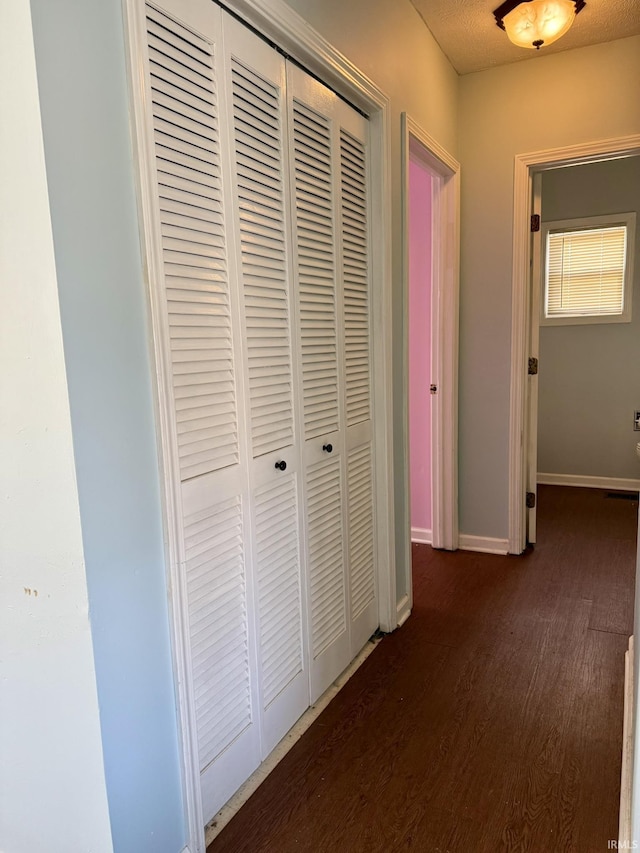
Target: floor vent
[{"x": 623, "y": 496}]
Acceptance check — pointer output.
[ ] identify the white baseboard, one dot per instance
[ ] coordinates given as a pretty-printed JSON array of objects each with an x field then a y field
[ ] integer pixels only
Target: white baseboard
[
  {"x": 617, "y": 483},
  {"x": 483, "y": 544},
  {"x": 626, "y": 775},
  {"x": 421, "y": 536}
]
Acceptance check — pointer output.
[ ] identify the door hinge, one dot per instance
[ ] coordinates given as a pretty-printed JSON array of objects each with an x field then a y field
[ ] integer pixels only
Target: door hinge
[
  {"x": 433, "y": 389},
  {"x": 535, "y": 222},
  {"x": 533, "y": 367},
  {"x": 531, "y": 500}
]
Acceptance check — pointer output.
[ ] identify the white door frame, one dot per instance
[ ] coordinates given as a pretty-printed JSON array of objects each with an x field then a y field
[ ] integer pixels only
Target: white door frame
[
  {"x": 278, "y": 22},
  {"x": 445, "y": 171},
  {"x": 526, "y": 165}
]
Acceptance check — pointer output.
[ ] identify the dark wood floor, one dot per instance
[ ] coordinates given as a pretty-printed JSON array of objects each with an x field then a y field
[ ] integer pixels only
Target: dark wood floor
[{"x": 492, "y": 721}]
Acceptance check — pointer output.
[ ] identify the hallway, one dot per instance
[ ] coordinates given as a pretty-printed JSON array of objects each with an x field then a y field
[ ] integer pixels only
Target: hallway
[{"x": 492, "y": 721}]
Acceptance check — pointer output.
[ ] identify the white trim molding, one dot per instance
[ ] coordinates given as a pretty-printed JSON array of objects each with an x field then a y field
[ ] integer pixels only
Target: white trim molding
[
  {"x": 618, "y": 484},
  {"x": 483, "y": 544},
  {"x": 421, "y": 536},
  {"x": 626, "y": 772},
  {"x": 525, "y": 165},
  {"x": 445, "y": 171},
  {"x": 404, "y": 609}
]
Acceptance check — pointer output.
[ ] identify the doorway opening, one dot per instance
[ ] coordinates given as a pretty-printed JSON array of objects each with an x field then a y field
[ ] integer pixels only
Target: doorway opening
[
  {"x": 529, "y": 169},
  {"x": 584, "y": 432},
  {"x": 430, "y": 376}
]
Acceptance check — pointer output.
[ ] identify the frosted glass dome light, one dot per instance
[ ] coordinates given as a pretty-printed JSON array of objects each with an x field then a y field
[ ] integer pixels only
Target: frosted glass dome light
[{"x": 534, "y": 23}]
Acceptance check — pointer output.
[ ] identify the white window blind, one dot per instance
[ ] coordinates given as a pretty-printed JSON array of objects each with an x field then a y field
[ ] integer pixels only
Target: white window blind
[{"x": 586, "y": 273}]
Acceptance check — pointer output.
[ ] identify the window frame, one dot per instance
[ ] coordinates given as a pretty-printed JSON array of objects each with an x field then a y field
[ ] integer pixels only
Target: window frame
[{"x": 585, "y": 224}]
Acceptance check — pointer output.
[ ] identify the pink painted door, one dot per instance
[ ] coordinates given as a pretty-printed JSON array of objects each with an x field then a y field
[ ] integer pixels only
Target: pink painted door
[{"x": 420, "y": 222}]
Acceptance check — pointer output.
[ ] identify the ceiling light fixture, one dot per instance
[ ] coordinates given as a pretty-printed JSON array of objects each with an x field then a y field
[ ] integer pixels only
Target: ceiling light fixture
[{"x": 533, "y": 23}]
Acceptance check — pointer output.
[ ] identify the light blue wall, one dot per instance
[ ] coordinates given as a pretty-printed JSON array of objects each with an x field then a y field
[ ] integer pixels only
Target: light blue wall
[{"x": 83, "y": 92}]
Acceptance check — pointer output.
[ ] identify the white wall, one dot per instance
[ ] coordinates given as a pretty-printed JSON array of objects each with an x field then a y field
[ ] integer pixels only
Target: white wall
[
  {"x": 390, "y": 43},
  {"x": 588, "y": 378},
  {"x": 52, "y": 782},
  {"x": 545, "y": 102}
]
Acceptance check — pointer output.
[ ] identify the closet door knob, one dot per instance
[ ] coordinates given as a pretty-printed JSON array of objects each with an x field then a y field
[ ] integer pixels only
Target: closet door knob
[
  {"x": 281, "y": 466},
  {"x": 327, "y": 447}
]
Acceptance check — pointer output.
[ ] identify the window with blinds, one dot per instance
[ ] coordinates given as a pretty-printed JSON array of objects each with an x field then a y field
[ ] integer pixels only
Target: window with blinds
[{"x": 588, "y": 270}]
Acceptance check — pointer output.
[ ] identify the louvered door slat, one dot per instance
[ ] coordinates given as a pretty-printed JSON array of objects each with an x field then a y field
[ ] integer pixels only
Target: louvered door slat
[
  {"x": 258, "y": 163},
  {"x": 316, "y": 269},
  {"x": 177, "y": 150},
  {"x": 355, "y": 275},
  {"x": 174, "y": 241},
  {"x": 361, "y": 554},
  {"x": 203, "y": 241},
  {"x": 181, "y": 181},
  {"x": 254, "y": 101},
  {"x": 188, "y": 51},
  {"x": 219, "y": 650},
  {"x": 179, "y": 160},
  {"x": 183, "y": 103},
  {"x": 188, "y": 201},
  {"x": 279, "y": 592},
  {"x": 175, "y": 76},
  {"x": 175, "y": 71},
  {"x": 174, "y": 88},
  {"x": 326, "y": 568},
  {"x": 175, "y": 106}
]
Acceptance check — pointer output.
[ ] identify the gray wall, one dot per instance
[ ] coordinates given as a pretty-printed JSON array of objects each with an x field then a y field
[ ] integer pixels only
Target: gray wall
[
  {"x": 590, "y": 374},
  {"x": 538, "y": 104},
  {"x": 88, "y": 155}
]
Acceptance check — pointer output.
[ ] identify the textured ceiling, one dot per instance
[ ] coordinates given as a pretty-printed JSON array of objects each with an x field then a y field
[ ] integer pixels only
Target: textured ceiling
[{"x": 467, "y": 33}]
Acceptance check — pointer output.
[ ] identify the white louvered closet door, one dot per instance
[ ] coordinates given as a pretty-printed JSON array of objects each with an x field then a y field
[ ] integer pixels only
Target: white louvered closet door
[
  {"x": 331, "y": 266},
  {"x": 201, "y": 338},
  {"x": 259, "y": 235},
  {"x": 355, "y": 285},
  {"x": 258, "y": 145},
  {"x": 314, "y": 186}
]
